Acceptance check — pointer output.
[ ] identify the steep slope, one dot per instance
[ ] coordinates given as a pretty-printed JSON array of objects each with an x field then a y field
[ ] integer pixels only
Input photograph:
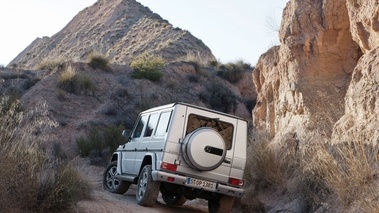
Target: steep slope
[
  {"x": 302, "y": 84},
  {"x": 115, "y": 97},
  {"x": 361, "y": 118},
  {"x": 120, "y": 29}
]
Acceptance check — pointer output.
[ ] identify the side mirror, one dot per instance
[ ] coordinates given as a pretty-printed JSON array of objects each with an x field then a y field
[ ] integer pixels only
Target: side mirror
[{"x": 126, "y": 133}]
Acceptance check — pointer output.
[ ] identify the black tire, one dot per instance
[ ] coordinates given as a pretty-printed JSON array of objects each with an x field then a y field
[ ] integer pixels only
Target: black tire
[
  {"x": 147, "y": 188},
  {"x": 110, "y": 181},
  {"x": 223, "y": 205},
  {"x": 173, "y": 199}
]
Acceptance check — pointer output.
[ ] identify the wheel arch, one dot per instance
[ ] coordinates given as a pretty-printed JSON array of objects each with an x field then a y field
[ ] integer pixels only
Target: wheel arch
[
  {"x": 149, "y": 159},
  {"x": 115, "y": 157}
]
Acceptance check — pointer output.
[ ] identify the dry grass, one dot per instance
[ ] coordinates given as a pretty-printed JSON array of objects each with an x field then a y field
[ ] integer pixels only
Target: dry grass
[
  {"x": 50, "y": 64},
  {"x": 99, "y": 61},
  {"x": 341, "y": 175},
  {"x": 196, "y": 57},
  {"x": 31, "y": 180},
  {"x": 74, "y": 82},
  {"x": 348, "y": 170}
]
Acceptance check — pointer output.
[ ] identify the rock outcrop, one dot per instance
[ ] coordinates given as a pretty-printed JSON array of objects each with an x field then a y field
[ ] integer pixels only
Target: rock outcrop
[
  {"x": 119, "y": 29},
  {"x": 302, "y": 83},
  {"x": 361, "y": 118}
]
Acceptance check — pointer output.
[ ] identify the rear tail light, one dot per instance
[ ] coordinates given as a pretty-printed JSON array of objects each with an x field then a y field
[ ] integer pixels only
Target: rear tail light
[
  {"x": 236, "y": 182},
  {"x": 169, "y": 166}
]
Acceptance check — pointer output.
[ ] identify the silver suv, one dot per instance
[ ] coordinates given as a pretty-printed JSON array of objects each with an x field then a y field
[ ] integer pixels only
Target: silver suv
[{"x": 185, "y": 152}]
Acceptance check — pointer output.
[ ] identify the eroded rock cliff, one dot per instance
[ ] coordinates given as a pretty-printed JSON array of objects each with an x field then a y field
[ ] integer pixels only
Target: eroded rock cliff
[
  {"x": 323, "y": 73},
  {"x": 361, "y": 118}
]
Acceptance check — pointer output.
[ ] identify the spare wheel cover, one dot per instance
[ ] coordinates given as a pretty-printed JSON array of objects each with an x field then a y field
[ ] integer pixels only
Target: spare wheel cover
[{"x": 204, "y": 149}]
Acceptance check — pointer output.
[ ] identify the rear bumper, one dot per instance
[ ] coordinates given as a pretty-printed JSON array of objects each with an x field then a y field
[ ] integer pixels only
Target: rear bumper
[{"x": 181, "y": 180}]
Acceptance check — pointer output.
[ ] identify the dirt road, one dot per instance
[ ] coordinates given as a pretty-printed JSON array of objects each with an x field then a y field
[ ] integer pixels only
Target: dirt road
[{"x": 106, "y": 202}]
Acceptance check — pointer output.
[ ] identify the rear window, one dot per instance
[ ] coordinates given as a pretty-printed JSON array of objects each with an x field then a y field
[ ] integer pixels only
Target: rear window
[{"x": 224, "y": 129}]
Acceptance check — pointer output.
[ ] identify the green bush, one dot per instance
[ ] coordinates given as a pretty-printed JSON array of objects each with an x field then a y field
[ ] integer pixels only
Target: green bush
[
  {"x": 147, "y": 66},
  {"x": 233, "y": 72},
  {"x": 214, "y": 63},
  {"x": 193, "y": 78},
  {"x": 98, "y": 61},
  {"x": 99, "y": 141},
  {"x": 220, "y": 98},
  {"x": 199, "y": 68},
  {"x": 73, "y": 82}
]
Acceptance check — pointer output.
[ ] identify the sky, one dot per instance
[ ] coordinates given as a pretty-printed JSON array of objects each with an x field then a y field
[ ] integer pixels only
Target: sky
[{"x": 233, "y": 30}]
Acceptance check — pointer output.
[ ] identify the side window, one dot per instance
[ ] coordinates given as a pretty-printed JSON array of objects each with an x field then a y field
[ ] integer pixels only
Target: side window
[
  {"x": 163, "y": 123},
  {"x": 151, "y": 125},
  {"x": 141, "y": 123}
]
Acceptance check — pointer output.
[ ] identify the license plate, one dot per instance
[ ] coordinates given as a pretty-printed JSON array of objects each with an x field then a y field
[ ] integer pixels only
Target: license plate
[{"x": 196, "y": 183}]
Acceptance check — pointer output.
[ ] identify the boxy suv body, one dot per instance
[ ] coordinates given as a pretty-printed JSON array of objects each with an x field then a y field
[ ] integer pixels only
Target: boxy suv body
[{"x": 184, "y": 151}]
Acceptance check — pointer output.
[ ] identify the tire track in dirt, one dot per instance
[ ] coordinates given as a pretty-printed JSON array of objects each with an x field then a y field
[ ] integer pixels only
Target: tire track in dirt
[{"x": 105, "y": 202}]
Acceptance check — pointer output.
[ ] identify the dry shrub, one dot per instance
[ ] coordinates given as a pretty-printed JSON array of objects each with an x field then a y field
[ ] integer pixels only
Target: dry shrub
[
  {"x": 74, "y": 82},
  {"x": 341, "y": 175},
  {"x": 30, "y": 177},
  {"x": 198, "y": 61},
  {"x": 196, "y": 57},
  {"x": 99, "y": 61},
  {"x": 50, "y": 64},
  {"x": 348, "y": 170},
  {"x": 263, "y": 167}
]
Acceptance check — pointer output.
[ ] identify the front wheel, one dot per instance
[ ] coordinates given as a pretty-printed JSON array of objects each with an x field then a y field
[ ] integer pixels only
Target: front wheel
[
  {"x": 111, "y": 183},
  {"x": 222, "y": 205},
  {"x": 147, "y": 188},
  {"x": 173, "y": 199}
]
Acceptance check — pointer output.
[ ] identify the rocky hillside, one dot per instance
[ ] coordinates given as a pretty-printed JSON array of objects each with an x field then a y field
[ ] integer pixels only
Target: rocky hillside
[
  {"x": 119, "y": 29},
  {"x": 322, "y": 81}
]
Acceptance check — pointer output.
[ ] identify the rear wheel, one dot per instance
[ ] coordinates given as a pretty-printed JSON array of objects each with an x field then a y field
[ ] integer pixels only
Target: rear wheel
[
  {"x": 147, "y": 188},
  {"x": 222, "y": 205},
  {"x": 111, "y": 183},
  {"x": 173, "y": 199}
]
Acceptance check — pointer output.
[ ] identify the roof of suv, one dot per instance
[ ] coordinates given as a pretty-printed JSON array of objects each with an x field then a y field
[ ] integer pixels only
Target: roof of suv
[{"x": 190, "y": 105}]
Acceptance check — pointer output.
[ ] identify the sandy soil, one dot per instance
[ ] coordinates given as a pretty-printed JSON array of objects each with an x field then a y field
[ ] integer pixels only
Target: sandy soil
[{"x": 106, "y": 202}]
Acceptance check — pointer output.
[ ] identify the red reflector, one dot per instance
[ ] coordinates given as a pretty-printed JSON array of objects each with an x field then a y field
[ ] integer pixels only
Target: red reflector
[
  {"x": 236, "y": 182},
  {"x": 170, "y": 179},
  {"x": 169, "y": 166}
]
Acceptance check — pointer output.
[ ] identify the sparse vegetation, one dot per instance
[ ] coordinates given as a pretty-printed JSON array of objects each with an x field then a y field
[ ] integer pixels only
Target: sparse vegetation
[
  {"x": 99, "y": 144},
  {"x": 196, "y": 58},
  {"x": 193, "y": 78},
  {"x": 233, "y": 72},
  {"x": 215, "y": 63},
  {"x": 31, "y": 180},
  {"x": 317, "y": 171},
  {"x": 99, "y": 61},
  {"x": 147, "y": 66},
  {"x": 219, "y": 97},
  {"x": 73, "y": 82},
  {"x": 50, "y": 64},
  {"x": 198, "y": 62},
  {"x": 30, "y": 82}
]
